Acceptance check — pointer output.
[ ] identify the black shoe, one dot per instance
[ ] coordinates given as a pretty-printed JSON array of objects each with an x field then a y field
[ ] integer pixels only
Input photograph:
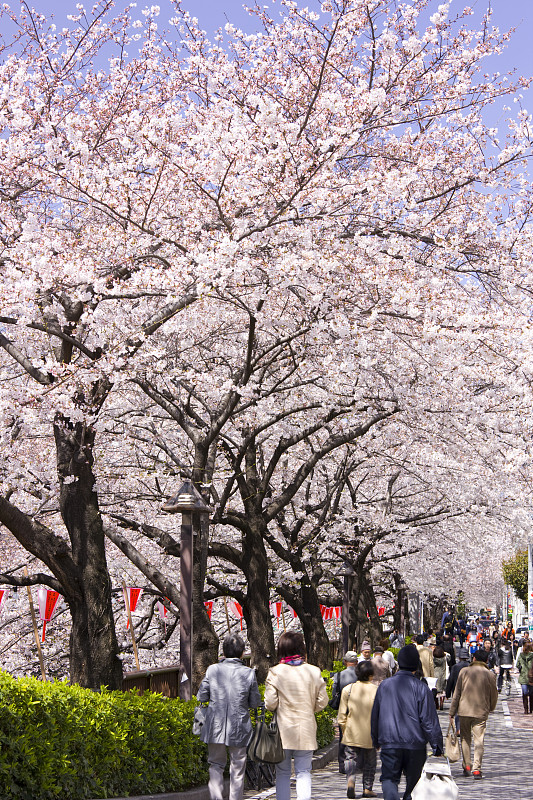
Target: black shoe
[
  {"x": 477, "y": 775},
  {"x": 467, "y": 771}
]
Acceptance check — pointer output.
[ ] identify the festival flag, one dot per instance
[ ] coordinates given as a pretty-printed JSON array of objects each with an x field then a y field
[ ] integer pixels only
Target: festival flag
[
  {"x": 338, "y": 612},
  {"x": 209, "y": 607},
  {"x": 3, "y": 597},
  {"x": 328, "y": 613},
  {"x": 278, "y": 606},
  {"x": 323, "y": 611},
  {"x": 381, "y": 611},
  {"x": 236, "y": 610},
  {"x": 134, "y": 594},
  {"x": 47, "y": 603}
]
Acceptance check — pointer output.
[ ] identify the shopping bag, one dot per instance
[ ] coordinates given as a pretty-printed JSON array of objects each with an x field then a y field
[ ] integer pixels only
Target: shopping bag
[
  {"x": 436, "y": 782},
  {"x": 198, "y": 723},
  {"x": 452, "y": 748},
  {"x": 265, "y": 744}
]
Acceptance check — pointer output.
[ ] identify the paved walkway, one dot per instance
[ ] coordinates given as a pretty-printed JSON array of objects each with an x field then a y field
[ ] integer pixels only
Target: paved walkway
[{"x": 507, "y": 761}]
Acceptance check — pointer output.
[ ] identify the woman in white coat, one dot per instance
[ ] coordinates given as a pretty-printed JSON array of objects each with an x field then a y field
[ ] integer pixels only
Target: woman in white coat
[{"x": 295, "y": 690}]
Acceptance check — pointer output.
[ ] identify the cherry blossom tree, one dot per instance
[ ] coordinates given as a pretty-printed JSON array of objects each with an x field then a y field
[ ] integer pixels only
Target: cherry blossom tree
[{"x": 319, "y": 204}]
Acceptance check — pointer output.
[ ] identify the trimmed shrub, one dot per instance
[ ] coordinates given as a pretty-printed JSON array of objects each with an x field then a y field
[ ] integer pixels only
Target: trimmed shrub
[
  {"x": 59, "y": 741},
  {"x": 62, "y": 742}
]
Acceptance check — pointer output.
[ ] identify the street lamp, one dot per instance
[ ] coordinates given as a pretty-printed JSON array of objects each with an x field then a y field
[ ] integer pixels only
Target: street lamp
[
  {"x": 347, "y": 573},
  {"x": 189, "y": 502}
]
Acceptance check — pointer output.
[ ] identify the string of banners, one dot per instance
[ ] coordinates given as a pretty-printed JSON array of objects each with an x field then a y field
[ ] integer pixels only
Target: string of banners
[{"x": 49, "y": 598}]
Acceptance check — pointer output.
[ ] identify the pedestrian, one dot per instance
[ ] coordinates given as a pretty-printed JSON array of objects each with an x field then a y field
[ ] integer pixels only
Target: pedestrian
[
  {"x": 389, "y": 656},
  {"x": 354, "y": 720},
  {"x": 340, "y": 680},
  {"x": 524, "y": 663},
  {"x": 505, "y": 660},
  {"x": 403, "y": 721},
  {"x": 439, "y": 663},
  {"x": 475, "y": 696},
  {"x": 296, "y": 690},
  {"x": 231, "y": 690},
  {"x": 461, "y": 630},
  {"x": 426, "y": 657},
  {"x": 463, "y": 661},
  {"x": 381, "y": 666},
  {"x": 366, "y": 652},
  {"x": 449, "y": 649},
  {"x": 396, "y": 639},
  {"x": 492, "y": 659}
]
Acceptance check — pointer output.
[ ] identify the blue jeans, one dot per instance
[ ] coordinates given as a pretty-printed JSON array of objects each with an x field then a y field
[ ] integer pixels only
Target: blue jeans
[
  {"x": 393, "y": 763},
  {"x": 302, "y": 769}
]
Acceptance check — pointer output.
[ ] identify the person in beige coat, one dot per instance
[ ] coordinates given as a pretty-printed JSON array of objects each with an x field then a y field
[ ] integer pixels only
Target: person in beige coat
[
  {"x": 475, "y": 696},
  {"x": 296, "y": 691},
  {"x": 426, "y": 657},
  {"x": 354, "y": 720}
]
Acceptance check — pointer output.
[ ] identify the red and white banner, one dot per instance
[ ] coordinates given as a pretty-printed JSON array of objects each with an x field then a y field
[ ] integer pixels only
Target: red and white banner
[
  {"x": 381, "y": 611},
  {"x": 209, "y": 607},
  {"x": 236, "y": 610},
  {"x": 134, "y": 594},
  {"x": 163, "y": 610},
  {"x": 278, "y": 609},
  {"x": 338, "y": 611},
  {"x": 3, "y": 597},
  {"x": 47, "y": 604}
]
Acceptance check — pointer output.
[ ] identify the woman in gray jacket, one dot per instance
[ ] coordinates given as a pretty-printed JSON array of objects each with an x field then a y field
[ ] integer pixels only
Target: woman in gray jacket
[{"x": 231, "y": 690}]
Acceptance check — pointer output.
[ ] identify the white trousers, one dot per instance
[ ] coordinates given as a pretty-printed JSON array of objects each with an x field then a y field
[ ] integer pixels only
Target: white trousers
[
  {"x": 217, "y": 755},
  {"x": 302, "y": 770}
]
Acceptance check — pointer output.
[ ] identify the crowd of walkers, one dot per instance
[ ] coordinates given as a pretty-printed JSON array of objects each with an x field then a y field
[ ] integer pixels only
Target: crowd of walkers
[{"x": 384, "y": 703}]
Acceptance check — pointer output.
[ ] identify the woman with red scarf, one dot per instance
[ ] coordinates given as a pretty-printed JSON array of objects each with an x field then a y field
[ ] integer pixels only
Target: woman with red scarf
[{"x": 295, "y": 690}]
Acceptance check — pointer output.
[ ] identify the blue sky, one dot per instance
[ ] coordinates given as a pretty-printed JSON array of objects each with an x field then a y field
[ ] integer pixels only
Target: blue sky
[{"x": 213, "y": 14}]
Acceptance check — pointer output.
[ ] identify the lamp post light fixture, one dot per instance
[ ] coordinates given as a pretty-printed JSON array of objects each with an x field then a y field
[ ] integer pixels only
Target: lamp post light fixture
[{"x": 190, "y": 504}]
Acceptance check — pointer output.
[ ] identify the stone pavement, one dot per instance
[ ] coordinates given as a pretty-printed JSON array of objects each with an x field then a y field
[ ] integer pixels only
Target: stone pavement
[{"x": 507, "y": 761}]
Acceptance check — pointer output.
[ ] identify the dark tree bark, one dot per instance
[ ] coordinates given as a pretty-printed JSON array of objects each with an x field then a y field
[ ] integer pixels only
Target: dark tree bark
[{"x": 93, "y": 645}]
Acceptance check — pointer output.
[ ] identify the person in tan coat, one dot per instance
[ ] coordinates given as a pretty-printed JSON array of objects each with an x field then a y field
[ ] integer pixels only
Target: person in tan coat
[
  {"x": 296, "y": 691},
  {"x": 475, "y": 696},
  {"x": 426, "y": 657},
  {"x": 354, "y": 720}
]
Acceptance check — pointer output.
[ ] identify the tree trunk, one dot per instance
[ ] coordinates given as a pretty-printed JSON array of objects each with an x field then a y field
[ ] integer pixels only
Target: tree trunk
[
  {"x": 374, "y": 622},
  {"x": 256, "y": 604},
  {"x": 94, "y": 658}
]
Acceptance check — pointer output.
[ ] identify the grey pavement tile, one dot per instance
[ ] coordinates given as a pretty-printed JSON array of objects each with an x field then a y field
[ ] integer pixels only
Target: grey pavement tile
[{"x": 507, "y": 762}]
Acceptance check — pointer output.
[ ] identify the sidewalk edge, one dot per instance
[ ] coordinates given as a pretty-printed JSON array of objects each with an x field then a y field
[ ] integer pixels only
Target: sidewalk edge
[{"x": 320, "y": 759}]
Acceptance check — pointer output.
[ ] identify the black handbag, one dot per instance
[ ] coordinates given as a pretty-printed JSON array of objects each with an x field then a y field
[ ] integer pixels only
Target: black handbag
[{"x": 265, "y": 744}]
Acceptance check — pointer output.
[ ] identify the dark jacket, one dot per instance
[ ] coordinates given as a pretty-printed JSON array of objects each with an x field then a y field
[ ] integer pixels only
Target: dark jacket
[
  {"x": 404, "y": 715},
  {"x": 231, "y": 689},
  {"x": 447, "y": 646},
  {"x": 342, "y": 679},
  {"x": 452, "y": 677},
  {"x": 505, "y": 657}
]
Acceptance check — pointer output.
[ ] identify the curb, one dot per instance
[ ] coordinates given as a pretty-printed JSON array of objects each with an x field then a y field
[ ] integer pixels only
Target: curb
[{"x": 320, "y": 759}]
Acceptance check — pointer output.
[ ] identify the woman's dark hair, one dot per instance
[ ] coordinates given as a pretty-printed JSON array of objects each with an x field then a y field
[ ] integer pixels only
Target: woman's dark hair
[
  {"x": 291, "y": 643},
  {"x": 527, "y": 647},
  {"x": 364, "y": 670},
  {"x": 438, "y": 652},
  {"x": 233, "y": 646},
  {"x": 385, "y": 644}
]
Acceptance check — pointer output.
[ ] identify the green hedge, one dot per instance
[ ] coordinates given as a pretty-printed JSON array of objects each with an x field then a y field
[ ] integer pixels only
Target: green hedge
[
  {"x": 59, "y": 741},
  {"x": 62, "y": 742}
]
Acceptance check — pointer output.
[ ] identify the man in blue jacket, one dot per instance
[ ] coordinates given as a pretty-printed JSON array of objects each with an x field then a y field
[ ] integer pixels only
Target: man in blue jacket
[{"x": 403, "y": 721}]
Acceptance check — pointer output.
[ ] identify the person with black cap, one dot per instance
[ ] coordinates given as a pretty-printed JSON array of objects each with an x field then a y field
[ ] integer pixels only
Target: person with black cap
[{"x": 403, "y": 721}]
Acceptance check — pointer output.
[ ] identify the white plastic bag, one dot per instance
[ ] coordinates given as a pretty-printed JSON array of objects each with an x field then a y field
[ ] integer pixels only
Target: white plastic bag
[{"x": 436, "y": 782}]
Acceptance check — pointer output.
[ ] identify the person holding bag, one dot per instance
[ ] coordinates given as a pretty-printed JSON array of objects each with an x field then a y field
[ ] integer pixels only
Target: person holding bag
[
  {"x": 296, "y": 691},
  {"x": 231, "y": 690},
  {"x": 355, "y": 711}
]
